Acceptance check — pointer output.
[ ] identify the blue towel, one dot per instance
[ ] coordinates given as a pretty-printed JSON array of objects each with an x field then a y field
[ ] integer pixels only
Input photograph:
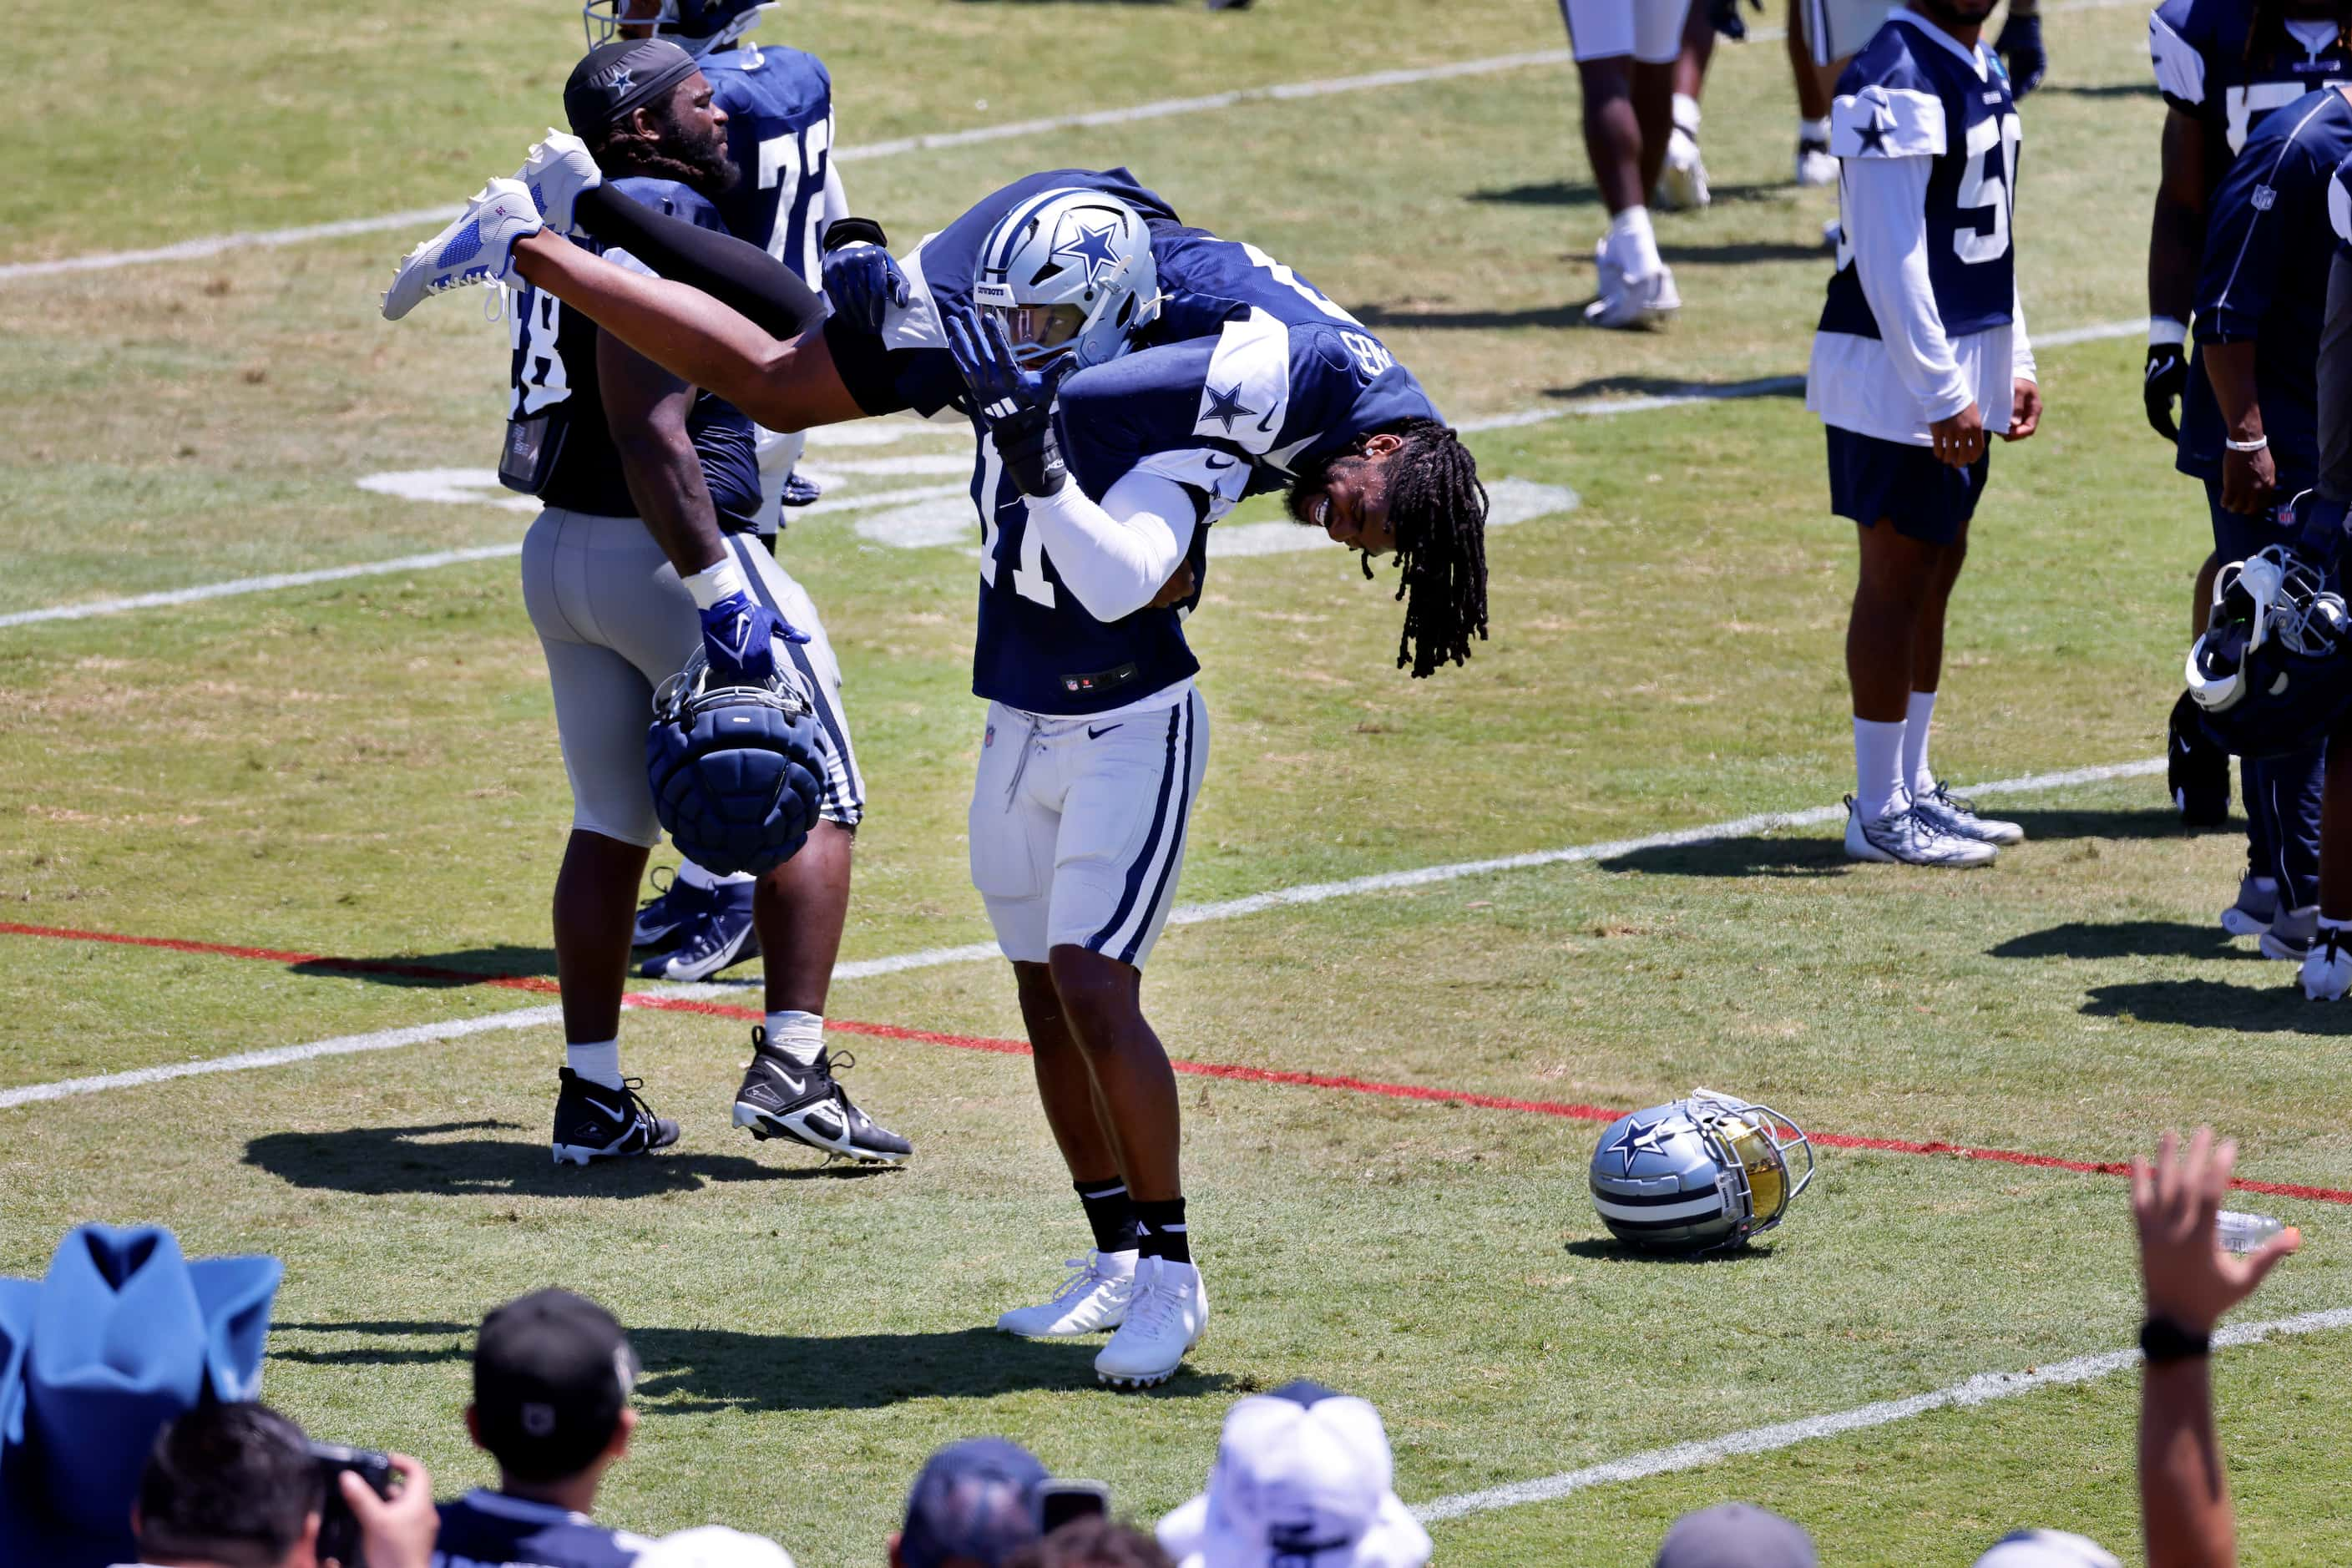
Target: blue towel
[{"x": 122, "y": 1335}]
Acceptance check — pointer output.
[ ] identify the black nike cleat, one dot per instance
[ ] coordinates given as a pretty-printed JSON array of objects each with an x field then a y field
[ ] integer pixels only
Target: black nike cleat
[
  {"x": 2196, "y": 770},
  {"x": 780, "y": 1097},
  {"x": 594, "y": 1123},
  {"x": 663, "y": 918}
]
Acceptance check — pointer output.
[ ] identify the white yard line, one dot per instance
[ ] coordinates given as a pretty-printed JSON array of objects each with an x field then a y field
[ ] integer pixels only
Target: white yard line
[
  {"x": 1982, "y": 1389},
  {"x": 981, "y": 953},
  {"x": 1162, "y": 108}
]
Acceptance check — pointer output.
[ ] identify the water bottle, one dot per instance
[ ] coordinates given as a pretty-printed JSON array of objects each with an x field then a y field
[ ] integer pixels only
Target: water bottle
[{"x": 2236, "y": 1232}]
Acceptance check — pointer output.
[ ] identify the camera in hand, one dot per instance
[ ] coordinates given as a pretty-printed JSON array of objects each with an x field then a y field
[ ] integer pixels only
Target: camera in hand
[{"x": 339, "y": 1529}]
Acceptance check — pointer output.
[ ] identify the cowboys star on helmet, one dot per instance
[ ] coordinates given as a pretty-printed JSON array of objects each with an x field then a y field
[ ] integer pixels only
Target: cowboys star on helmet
[
  {"x": 1068, "y": 271},
  {"x": 1698, "y": 1174}
]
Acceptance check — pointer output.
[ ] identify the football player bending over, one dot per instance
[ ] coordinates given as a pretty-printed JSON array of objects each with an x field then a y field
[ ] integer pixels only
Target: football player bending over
[
  {"x": 648, "y": 547},
  {"x": 1129, "y": 380}
]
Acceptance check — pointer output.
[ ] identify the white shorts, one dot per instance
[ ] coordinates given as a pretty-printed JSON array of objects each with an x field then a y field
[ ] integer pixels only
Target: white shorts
[
  {"x": 1836, "y": 29},
  {"x": 1078, "y": 825},
  {"x": 614, "y": 623},
  {"x": 1649, "y": 30}
]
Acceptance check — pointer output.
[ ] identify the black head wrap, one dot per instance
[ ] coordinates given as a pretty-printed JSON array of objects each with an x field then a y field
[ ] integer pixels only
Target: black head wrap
[{"x": 621, "y": 76}]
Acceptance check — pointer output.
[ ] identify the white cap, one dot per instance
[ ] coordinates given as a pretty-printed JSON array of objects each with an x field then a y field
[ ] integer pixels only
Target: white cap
[
  {"x": 714, "y": 1546},
  {"x": 2047, "y": 1549},
  {"x": 1302, "y": 1472}
]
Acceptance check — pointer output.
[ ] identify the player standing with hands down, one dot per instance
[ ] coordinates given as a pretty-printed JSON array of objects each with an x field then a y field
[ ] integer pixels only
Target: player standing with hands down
[{"x": 1921, "y": 355}]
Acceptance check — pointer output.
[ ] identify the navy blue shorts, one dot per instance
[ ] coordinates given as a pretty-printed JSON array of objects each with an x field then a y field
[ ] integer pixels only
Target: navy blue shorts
[{"x": 1873, "y": 479}]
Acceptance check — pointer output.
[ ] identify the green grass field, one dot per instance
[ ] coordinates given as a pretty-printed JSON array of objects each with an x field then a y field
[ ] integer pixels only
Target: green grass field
[{"x": 367, "y": 769}]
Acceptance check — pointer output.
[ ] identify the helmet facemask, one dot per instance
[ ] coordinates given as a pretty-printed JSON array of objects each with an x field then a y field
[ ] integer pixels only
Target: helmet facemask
[
  {"x": 1752, "y": 1143},
  {"x": 604, "y": 20}
]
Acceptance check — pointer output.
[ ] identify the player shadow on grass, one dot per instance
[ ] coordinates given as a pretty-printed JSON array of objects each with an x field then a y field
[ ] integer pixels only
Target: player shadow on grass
[
  {"x": 468, "y": 966},
  {"x": 2100, "y": 89},
  {"x": 1806, "y": 855},
  {"x": 1602, "y": 1249},
  {"x": 1571, "y": 193},
  {"x": 2126, "y": 939},
  {"x": 1676, "y": 386},
  {"x": 380, "y": 1162},
  {"x": 694, "y": 1371},
  {"x": 2275, "y": 1009}
]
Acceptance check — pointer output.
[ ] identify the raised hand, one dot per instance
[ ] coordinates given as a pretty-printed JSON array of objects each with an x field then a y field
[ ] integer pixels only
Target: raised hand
[{"x": 1016, "y": 404}]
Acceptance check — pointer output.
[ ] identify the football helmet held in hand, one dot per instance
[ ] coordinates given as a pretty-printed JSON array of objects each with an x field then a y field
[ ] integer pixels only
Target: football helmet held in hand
[
  {"x": 736, "y": 770},
  {"x": 2272, "y": 674},
  {"x": 1699, "y": 1174}
]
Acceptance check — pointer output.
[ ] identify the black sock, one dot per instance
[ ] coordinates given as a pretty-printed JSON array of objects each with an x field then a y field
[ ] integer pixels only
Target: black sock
[
  {"x": 728, "y": 270},
  {"x": 1110, "y": 1211},
  {"x": 1159, "y": 1230}
]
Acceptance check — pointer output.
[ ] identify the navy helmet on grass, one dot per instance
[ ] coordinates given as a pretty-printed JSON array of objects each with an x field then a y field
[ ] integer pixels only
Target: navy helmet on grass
[
  {"x": 1698, "y": 1174},
  {"x": 736, "y": 771},
  {"x": 2272, "y": 674}
]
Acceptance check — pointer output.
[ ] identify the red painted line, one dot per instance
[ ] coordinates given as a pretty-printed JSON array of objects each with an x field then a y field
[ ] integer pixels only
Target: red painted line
[{"x": 1231, "y": 1071}]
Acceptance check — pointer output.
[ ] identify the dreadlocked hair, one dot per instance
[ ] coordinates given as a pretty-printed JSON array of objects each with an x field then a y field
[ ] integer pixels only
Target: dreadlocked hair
[{"x": 1440, "y": 510}]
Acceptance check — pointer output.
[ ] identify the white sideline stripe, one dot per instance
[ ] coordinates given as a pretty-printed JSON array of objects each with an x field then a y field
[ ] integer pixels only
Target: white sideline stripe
[
  {"x": 976, "y": 952},
  {"x": 341, "y": 1046},
  {"x": 216, "y": 245},
  {"x": 1982, "y": 1389},
  {"x": 1765, "y": 387},
  {"x": 89, "y": 608}
]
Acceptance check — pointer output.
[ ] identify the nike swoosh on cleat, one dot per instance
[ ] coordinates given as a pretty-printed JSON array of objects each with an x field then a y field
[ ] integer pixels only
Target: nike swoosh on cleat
[
  {"x": 609, "y": 1112},
  {"x": 797, "y": 1086}
]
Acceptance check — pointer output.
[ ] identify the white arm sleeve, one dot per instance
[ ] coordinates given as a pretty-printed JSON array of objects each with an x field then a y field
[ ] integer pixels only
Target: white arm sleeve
[
  {"x": 1886, "y": 224},
  {"x": 2020, "y": 347},
  {"x": 1115, "y": 556},
  {"x": 835, "y": 202}
]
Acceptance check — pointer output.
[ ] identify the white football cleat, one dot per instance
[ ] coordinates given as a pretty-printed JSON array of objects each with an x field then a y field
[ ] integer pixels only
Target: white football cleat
[
  {"x": 1958, "y": 818},
  {"x": 2327, "y": 967},
  {"x": 558, "y": 172},
  {"x": 2292, "y": 934},
  {"x": 1904, "y": 834},
  {"x": 477, "y": 246},
  {"x": 1815, "y": 167},
  {"x": 2257, "y": 906},
  {"x": 1627, "y": 301},
  {"x": 1165, "y": 1319},
  {"x": 1094, "y": 1298},
  {"x": 1682, "y": 183}
]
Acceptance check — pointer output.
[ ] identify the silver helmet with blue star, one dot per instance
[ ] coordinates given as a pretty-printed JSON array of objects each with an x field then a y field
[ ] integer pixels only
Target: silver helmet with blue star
[
  {"x": 1068, "y": 271},
  {"x": 1698, "y": 1174}
]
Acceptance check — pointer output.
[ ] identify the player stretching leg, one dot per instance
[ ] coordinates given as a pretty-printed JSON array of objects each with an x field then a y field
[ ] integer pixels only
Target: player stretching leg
[
  {"x": 652, "y": 498},
  {"x": 1921, "y": 352},
  {"x": 1625, "y": 53},
  {"x": 2221, "y": 65},
  {"x": 779, "y": 106}
]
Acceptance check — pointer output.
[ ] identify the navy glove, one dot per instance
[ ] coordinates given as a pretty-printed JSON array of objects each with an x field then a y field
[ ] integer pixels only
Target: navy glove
[
  {"x": 2019, "y": 47},
  {"x": 861, "y": 278},
  {"x": 1016, "y": 404},
  {"x": 2318, "y": 525},
  {"x": 738, "y": 638},
  {"x": 1725, "y": 17},
  {"x": 2165, "y": 379}
]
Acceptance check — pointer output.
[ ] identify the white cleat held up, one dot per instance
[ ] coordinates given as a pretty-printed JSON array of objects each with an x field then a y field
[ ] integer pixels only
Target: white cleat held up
[{"x": 477, "y": 246}]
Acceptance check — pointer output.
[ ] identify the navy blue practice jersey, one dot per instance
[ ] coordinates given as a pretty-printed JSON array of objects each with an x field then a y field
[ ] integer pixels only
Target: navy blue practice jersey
[
  {"x": 779, "y": 105},
  {"x": 556, "y": 412},
  {"x": 1916, "y": 92},
  {"x": 486, "y": 1529},
  {"x": 2205, "y": 67},
  {"x": 1223, "y": 416},
  {"x": 2268, "y": 249}
]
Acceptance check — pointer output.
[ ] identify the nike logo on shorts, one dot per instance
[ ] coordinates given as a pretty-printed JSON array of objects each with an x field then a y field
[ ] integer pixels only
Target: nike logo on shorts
[{"x": 1094, "y": 734}]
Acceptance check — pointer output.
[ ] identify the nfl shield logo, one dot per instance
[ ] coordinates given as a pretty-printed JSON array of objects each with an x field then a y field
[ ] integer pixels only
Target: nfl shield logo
[{"x": 2264, "y": 199}]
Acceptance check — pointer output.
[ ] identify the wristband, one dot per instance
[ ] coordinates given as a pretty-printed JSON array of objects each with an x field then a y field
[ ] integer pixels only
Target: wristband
[
  {"x": 715, "y": 581},
  {"x": 2162, "y": 1342},
  {"x": 2164, "y": 332},
  {"x": 2256, "y": 444}
]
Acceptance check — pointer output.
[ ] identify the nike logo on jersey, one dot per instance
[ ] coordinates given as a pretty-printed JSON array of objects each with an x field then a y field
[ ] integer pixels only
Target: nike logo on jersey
[{"x": 1094, "y": 734}]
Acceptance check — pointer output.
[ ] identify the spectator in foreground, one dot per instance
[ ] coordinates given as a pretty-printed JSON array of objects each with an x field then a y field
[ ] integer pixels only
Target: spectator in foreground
[
  {"x": 553, "y": 1376},
  {"x": 1736, "y": 1535},
  {"x": 2047, "y": 1549},
  {"x": 2186, "y": 1519},
  {"x": 1303, "y": 1474},
  {"x": 975, "y": 1504},
  {"x": 235, "y": 1486},
  {"x": 1093, "y": 1544}
]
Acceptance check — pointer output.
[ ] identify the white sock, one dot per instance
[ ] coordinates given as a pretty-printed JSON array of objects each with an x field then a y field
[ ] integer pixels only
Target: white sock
[
  {"x": 1915, "y": 743},
  {"x": 598, "y": 1061},
  {"x": 1687, "y": 115},
  {"x": 1877, "y": 767},
  {"x": 800, "y": 1036},
  {"x": 1634, "y": 243},
  {"x": 694, "y": 876},
  {"x": 1814, "y": 131}
]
